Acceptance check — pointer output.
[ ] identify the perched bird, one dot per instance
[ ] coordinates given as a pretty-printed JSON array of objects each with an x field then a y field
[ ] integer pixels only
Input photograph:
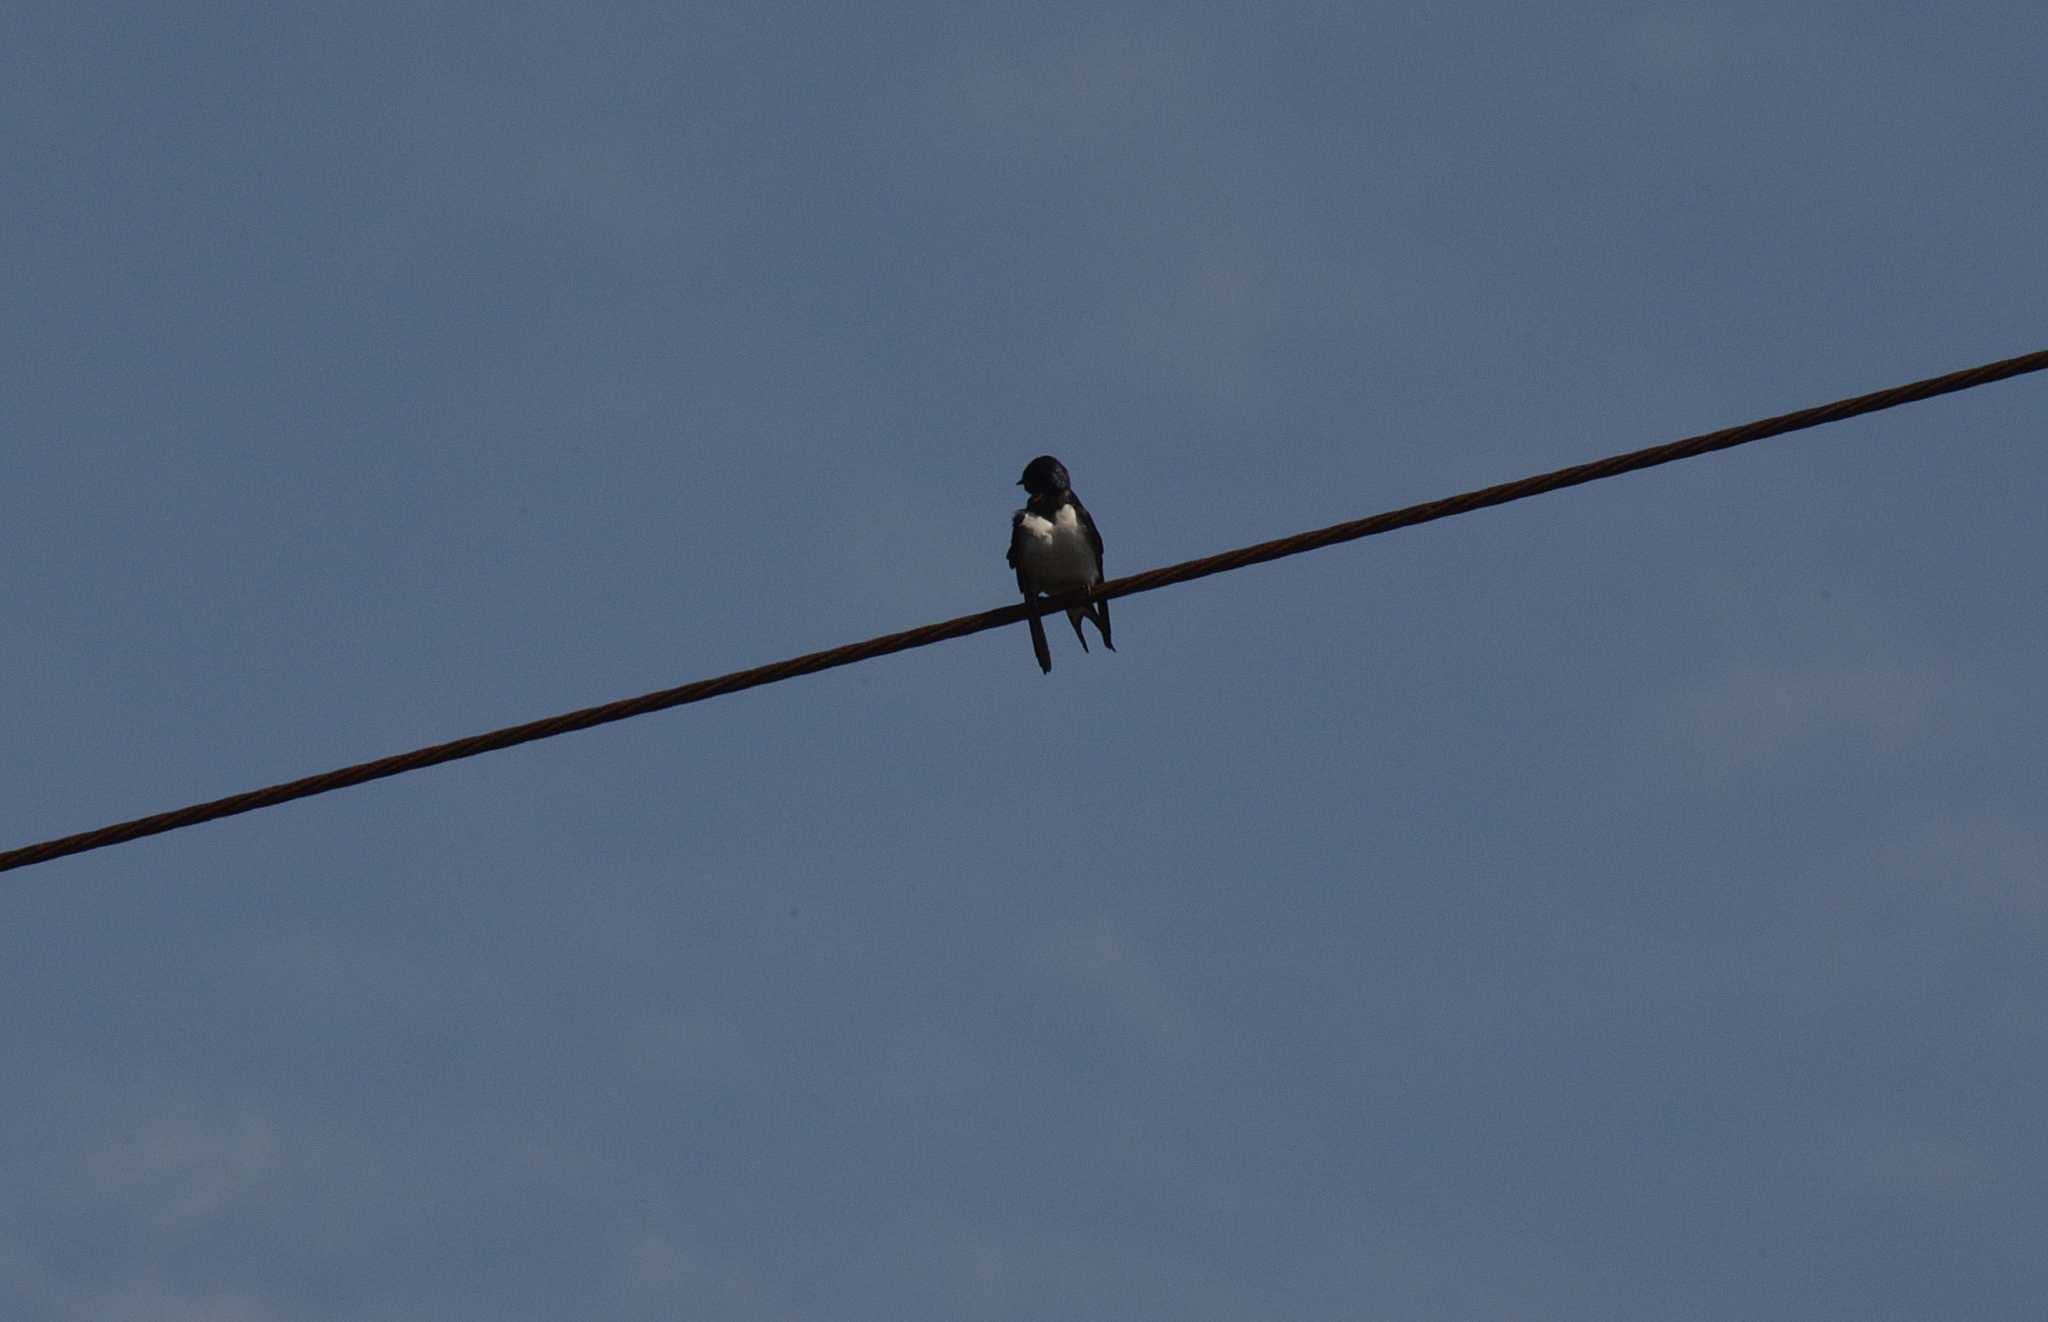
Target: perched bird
[{"x": 1054, "y": 548}]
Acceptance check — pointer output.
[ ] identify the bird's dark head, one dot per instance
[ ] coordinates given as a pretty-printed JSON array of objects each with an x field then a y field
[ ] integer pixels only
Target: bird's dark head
[{"x": 1044, "y": 476}]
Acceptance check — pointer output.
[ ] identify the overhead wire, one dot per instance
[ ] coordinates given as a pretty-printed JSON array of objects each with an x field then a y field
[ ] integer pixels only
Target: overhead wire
[{"x": 925, "y": 635}]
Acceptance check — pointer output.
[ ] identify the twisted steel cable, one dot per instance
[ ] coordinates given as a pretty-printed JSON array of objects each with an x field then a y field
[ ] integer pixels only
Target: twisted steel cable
[{"x": 1187, "y": 570}]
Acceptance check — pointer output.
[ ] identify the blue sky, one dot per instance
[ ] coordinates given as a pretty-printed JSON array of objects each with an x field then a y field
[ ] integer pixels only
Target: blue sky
[{"x": 1625, "y": 904}]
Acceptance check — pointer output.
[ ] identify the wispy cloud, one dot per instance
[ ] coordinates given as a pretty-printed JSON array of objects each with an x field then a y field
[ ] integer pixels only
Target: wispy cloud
[
  {"x": 184, "y": 1162},
  {"x": 1097, "y": 82},
  {"x": 1888, "y": 1158},
  {"x": 1996, "y": 861},
  {"x": 161, "y": 1300},
  {"x": 1673, "y": 48},
  {"x": 657, "y": 1270},
  {"x": 1108, "y": 965},
  {"x": 1751, "y": 715},
  {"x": 696, "y": 1046}
]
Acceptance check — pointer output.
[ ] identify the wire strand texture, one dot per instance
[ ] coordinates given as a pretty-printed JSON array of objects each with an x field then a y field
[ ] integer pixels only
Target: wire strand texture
[{"x": 1186, "y": 571}]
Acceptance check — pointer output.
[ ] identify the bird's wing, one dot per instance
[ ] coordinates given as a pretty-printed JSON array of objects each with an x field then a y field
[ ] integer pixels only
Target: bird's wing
[
  {"x": 1016, "y": 540},
  {"x": 1088, "y": 527},
  {"x": 1039, "y": 647}
]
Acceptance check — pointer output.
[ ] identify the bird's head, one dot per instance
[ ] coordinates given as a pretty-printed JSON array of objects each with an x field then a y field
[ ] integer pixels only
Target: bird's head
[{"x": 1044, "y": 476}]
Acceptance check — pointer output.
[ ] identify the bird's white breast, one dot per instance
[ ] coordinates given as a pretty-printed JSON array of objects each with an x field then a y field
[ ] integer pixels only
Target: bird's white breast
[{"x": 1055, "y": 551}]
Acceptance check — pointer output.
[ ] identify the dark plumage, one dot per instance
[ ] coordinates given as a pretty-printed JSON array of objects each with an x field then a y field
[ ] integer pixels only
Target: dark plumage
[{"x": 1055, "y": 548}]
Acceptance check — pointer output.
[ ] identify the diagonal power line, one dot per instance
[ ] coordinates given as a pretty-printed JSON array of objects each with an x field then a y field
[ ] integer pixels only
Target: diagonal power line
[{"x": 587, "y": 717}]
